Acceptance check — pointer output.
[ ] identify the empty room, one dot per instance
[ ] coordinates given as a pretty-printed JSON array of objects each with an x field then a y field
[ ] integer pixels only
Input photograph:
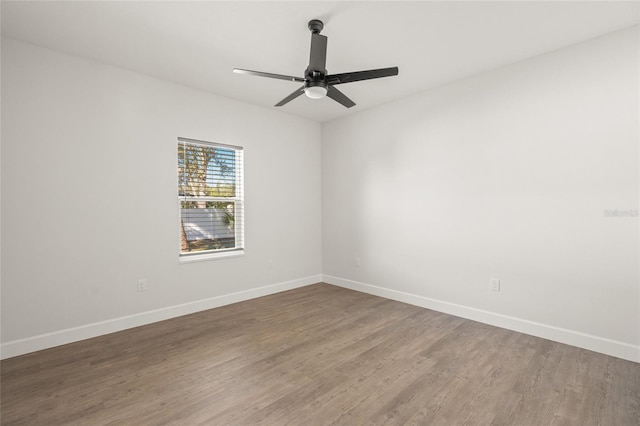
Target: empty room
[{"x": 318, "y": 213}]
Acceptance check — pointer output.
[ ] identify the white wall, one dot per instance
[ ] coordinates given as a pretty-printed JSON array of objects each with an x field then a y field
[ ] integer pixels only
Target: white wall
[
  {"x": 89, "y": 199},
  {"x": 507, "y": 175}
]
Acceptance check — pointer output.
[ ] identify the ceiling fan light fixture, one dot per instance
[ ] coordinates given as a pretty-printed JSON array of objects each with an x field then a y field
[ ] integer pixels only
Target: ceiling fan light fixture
[{"x": 315, "y": 92}]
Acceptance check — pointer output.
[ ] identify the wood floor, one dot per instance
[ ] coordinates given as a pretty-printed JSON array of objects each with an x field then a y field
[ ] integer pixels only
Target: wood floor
[{"x": 319, "y": 355}]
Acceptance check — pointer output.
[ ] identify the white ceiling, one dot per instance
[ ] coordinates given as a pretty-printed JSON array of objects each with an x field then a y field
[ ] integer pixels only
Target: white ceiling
[{"x": 199, "y": 43}]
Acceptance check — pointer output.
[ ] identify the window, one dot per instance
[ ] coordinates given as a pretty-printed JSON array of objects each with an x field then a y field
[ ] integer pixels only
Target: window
[{"x": 210, "y": 198}]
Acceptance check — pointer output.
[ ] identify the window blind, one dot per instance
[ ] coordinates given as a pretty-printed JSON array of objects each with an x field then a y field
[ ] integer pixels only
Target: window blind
[{"x": 210, "y": 196}]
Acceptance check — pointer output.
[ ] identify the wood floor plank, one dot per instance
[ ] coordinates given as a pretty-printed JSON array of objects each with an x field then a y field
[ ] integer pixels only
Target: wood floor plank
[{"x": 318, "y": 355}]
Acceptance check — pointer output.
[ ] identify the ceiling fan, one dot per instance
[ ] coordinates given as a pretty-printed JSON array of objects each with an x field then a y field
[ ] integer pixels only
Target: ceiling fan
[{"x": 317, "y": 83}]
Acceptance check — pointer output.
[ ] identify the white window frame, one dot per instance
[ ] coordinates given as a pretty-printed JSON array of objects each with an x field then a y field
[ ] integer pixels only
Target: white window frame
[{"x": 238, "y": 200}]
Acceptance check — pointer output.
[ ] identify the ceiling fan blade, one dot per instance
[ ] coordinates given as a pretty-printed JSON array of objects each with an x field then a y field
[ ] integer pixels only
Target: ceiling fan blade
[
  {"x": 349, "y": 77},
  {"x": 291, "y": 97},
  {"x": 339, "y": 97},
  {"x": 318, "y": 56},
  {"x": 268, "y": 74}
]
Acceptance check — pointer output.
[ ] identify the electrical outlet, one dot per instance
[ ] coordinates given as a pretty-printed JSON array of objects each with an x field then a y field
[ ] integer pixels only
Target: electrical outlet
[
  {"x": 357, "y": 262},
  {"x": 495, "y": 284},
  {"x": 142, "y": 284}
]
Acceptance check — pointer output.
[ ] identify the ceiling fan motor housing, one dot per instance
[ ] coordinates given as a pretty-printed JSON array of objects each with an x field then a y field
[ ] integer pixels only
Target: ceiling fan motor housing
[
  {"x": 314, "y": 75},
  {"x": 315, "y": 83}
]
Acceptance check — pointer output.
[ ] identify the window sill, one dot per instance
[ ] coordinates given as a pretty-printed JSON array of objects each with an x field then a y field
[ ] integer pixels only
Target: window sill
[{"x": 210, "y": 256}]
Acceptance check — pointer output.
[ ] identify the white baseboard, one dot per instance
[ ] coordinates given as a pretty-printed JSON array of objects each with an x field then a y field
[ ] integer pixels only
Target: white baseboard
[
  {"x": 70, "y": 335},
  {"x": 569, "y": 337}
]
